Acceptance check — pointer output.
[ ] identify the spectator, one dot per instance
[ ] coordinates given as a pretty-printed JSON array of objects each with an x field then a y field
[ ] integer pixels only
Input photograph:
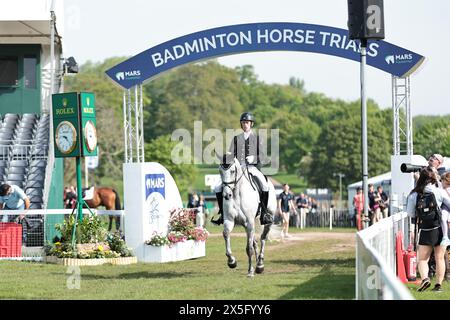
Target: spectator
[
  {"x": 435, "y": 162},
  {"x": 383, "y": 202},
  {"x": 285, "y": 203},
  {"x": 302, "y": 202},
  {"x": 313, "y": 205},
  {"x": 374, "y": 206},
  {"x": 445, "y": 223},
  {"x": 358, "y": 204},
  {"x": 203, "y": 208},
  {"x": 303, "y": 207},
  {"x": 193, "y": 201},
  {"x": 70, "y": 197},
  {"x": 430, "y": 231},
  {"x": 13, "y": 197}
]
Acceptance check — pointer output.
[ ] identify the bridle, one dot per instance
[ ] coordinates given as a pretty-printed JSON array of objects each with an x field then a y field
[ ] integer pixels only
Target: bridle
[{"x": 229, "y": 184}]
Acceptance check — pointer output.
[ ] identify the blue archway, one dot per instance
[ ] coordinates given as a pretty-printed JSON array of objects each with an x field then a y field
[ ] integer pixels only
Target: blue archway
[{"x": 257, "y": 37}]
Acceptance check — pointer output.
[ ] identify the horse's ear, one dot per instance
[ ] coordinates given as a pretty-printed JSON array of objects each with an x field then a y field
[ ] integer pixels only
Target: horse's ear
[
  {"x": 218, "y": 157},
  {"x": 228, "y": 158}
]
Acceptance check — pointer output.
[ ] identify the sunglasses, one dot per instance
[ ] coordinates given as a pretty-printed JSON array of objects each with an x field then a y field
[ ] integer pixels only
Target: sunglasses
[{"x": 433, "y": 158}]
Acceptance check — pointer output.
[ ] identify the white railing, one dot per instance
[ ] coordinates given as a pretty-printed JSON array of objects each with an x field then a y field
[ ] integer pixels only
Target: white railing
[
  {"x": 48, "y": 175},
  {"x": 34, "y": 231},
  {"x": 376, "y": 260}
]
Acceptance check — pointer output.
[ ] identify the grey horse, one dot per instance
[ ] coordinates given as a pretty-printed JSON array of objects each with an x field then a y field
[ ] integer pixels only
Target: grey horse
[{"x": 240, "y": 206}]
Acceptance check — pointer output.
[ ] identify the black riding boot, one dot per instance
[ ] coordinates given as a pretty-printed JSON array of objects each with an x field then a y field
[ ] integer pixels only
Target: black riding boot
[
  {"x": 266, "y": 217},
  {"x": 219, "y": 220}
]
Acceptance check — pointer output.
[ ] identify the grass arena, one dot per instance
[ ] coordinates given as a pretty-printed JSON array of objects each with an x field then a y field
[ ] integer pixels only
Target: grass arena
[
  {"x": 57, "y": 116},
  {"x": 315, "y": 264}
]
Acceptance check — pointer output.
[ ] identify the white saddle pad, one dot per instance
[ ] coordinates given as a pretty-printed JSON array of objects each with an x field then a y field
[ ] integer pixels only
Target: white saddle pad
[{"x": 89, "y": 194}]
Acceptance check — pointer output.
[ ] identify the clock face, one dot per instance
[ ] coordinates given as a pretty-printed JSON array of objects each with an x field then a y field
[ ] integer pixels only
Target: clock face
[
  {"x": 66, "y": 137},
  {"x": 90, "y": 135}
]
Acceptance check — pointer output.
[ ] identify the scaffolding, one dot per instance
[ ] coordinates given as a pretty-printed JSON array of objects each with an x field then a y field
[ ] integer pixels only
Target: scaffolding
[
  {"x": 133, "y": 124},
  {"x": 401, "y": 106}
]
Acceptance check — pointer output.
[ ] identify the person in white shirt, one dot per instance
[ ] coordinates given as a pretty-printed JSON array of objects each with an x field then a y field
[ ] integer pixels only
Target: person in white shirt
[{"x": 430, "y": 233}]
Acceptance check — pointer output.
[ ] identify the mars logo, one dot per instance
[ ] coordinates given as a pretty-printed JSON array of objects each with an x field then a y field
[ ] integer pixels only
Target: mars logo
[
  {"x": 155, "y": 183},
  {"x": 155, "y": 194},
  {"x": 399, "y": 58}
]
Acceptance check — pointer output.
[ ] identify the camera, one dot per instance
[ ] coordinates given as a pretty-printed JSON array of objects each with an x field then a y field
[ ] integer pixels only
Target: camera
[{"x": 407, "y": 167}]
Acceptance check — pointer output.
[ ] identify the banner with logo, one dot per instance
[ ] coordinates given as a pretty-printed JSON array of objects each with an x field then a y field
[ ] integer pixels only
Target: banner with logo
[
  {"x": 150, "y": 193},
  {"x": 256, "y": 37}
]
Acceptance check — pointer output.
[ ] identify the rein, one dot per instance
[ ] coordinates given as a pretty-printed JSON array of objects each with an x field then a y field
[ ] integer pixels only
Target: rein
[{"x": 230, "y": 183}]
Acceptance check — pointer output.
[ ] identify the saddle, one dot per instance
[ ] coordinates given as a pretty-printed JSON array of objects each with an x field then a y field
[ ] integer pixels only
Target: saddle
[
  {"x": 88, "y": 193},
  {"x": 256, "y": 184}
]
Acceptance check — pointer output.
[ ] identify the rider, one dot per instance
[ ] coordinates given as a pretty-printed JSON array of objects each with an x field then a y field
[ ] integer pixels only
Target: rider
[{"x": 246, "y": 147}]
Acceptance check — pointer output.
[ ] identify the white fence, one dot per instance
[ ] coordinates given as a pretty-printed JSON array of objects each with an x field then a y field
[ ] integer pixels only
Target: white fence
[{"x": 376, "y": 261}]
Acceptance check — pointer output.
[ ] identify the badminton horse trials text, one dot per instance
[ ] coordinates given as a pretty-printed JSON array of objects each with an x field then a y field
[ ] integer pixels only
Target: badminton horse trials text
[
  {"x": 262, "y": 36},
  {"x": 256, "y": 37}
]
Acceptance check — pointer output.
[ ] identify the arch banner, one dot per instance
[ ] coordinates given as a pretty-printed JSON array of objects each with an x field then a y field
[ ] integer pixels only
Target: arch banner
[{"x": 258, "y": 37}]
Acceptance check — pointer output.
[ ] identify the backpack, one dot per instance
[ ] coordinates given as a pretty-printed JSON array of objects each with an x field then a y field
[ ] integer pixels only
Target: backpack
[{"x": 427, "y": 210}]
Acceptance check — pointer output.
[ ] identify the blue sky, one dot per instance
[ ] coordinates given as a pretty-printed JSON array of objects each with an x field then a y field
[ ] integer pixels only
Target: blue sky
[{"x": 95, "y": 30}]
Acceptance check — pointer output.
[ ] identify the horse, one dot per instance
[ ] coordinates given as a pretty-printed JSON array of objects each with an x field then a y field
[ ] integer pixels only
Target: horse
[
  {"x": 241, "y": 206},
  {"x": 103, "y": 196}
]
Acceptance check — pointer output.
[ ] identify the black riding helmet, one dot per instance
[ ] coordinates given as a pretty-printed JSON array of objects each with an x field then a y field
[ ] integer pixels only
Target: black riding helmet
[{"x": 247, "y": 116}]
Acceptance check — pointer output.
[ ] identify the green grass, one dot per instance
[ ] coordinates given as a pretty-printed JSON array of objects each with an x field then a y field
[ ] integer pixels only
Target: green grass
[
  {"x": 428, "y": 294},
  {"x": 293, "y": 270}
]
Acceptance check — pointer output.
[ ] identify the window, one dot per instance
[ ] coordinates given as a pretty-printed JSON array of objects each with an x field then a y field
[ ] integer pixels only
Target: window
[
  {"x": 9, "y": 71},
  {"x": 29, "y": 70}
]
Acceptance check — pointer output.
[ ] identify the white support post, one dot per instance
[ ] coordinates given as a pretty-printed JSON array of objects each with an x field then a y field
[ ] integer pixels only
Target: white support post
[{"x": 331, "y": 218}]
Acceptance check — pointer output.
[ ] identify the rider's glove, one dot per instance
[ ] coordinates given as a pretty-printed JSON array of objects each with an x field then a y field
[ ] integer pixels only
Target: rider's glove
[{"x": 250, "y": 159}]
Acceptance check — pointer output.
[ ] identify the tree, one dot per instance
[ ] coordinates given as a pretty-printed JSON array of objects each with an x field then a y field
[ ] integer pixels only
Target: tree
[
  {"x": 339, "y": 148},
  {"x": 432, "y": 138},
  {"x": 160, "y": 150}
]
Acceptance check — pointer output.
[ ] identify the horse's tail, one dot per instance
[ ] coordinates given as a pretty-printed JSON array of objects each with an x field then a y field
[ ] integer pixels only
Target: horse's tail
[{"x": 118, "y": 206}]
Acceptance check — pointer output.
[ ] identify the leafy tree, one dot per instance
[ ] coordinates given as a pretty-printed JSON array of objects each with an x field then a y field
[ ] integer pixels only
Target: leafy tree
[
  {"x": 160, "y": 150},
  {"x": 206, "y": 92},
  {"x": 339, "y": 149},
  {"x": 433, "y": 137}
]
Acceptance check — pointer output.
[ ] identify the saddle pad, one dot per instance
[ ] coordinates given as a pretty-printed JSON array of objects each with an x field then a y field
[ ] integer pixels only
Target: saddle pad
[{"x": 88, "y": 194}]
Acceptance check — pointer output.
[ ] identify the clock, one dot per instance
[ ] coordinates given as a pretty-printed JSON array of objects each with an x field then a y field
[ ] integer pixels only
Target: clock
[
  {"x": 66, "y": 137},
  {"x": 90, "y": 136}
]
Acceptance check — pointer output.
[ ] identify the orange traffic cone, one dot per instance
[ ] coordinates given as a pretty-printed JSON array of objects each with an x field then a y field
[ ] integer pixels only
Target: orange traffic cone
[{"x": 401, "y": 272}]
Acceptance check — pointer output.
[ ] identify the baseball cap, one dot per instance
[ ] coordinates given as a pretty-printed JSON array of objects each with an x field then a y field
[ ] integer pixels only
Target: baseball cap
[{"x": 439, "y": 157}]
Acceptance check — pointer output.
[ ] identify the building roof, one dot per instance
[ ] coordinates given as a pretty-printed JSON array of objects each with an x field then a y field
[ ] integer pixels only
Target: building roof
[
  {"x": 374, "y": 180},
  {"x": 27, "y": 21}
]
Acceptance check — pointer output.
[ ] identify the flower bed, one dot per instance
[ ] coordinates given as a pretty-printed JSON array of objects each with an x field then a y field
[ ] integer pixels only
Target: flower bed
[
  {"x": 96, "y": 245},
  {"x": 183, "y": 241}
]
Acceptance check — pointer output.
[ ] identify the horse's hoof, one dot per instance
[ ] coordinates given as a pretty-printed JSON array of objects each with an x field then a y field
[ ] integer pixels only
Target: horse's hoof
[
  {"x": 233, "y": 264},
  {"x": 259, "y": 270},
  {"x": 250, "y": 275}
]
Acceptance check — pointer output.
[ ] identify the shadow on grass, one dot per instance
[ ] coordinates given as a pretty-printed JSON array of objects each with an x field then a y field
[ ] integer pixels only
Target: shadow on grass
[
  {"x": 324, "y": 286},
  {"x": 328, "y": 284},
  {"x": 350, "y": 262},
  {"x": 138, "y": 275}
]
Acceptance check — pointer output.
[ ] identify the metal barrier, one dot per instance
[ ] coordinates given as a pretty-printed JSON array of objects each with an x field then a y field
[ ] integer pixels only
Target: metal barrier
[
  {"x": 376, "y": 262},
  {"x": 322, "y": 218}
]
